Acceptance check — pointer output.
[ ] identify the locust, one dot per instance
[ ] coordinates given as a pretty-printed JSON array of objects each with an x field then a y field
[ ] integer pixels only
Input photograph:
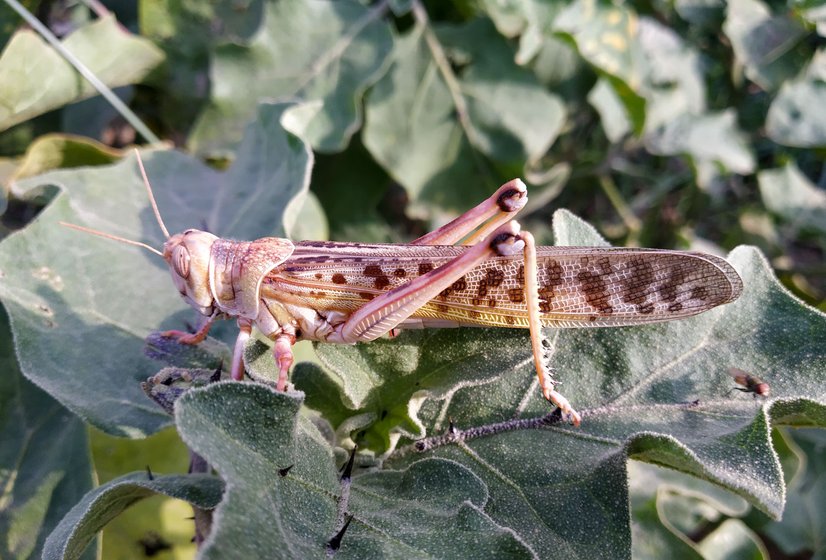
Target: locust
[{"x": 481, "y": 269}]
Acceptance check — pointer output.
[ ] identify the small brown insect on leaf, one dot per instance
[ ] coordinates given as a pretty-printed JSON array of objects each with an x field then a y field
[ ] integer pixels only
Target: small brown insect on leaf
[{"x": 750, "y": 383}]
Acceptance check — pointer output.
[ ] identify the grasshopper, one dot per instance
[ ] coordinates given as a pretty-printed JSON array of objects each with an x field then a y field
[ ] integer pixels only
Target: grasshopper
[{"x": 480, "y": 269}]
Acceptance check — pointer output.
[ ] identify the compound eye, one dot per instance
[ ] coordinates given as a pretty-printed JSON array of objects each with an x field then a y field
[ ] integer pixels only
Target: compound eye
[{"x": 180, "y": 261}]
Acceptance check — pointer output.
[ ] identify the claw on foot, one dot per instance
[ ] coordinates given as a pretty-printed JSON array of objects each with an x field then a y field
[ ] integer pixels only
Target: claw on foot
[
  {"x": 568, "y": 412},
  {"x": 182, "y": 337}
]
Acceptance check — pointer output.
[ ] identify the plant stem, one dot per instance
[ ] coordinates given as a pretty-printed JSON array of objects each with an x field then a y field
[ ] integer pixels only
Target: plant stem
[
  {"x": 626, "y": 214},
  {"x": 440, "y": 58}
]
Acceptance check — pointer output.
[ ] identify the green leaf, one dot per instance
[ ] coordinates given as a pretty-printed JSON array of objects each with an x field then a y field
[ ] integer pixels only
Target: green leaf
[
  {"x": 326, "y": 51},
  {"x": 764, "y": 43},
  {"x": 675, "y": 84},
  {"x": 44, "y": 459},
  {"x": 384, "y": 383},
  {"x": 708, "y": 138},
  {"x": 637, "y": 388},
  {"x": 65, "y": 290},
  {"x": 613, "y": 118},
  {"x": 669, "y": 507},
  {"x": 814, "y": 12},
  {"x": 732, "y": 539},
  {"x": 607, "y": 37},
  {"x": 803, "y": 526},
  {"x": 434, "y": 508},
  {"x": 61, "y": 151},
  {"x": 158, "y": 517},
  {"x": 788, "y": 193},
  {"x": 414, "y": 129},
  {"x": 97, "y": 508},
  {"x": 38, "y": 79},
  {"x": 795, "y": 118}
]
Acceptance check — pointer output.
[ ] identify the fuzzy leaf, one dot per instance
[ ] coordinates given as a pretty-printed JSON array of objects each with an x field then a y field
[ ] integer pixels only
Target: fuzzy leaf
[
  {"x": 788, "y": 193},
  {"x": 637, "y": 387},
  {"x": 80, "y": 305},
  {"x": 71, "y": 537},
  {"x": 434, "y": 508},
  {"x": 764, "y": 43},
  {"x": 44, "y": 459},
  {"x": 413, "y": 129},
  {"x": 322, "y": 51},
  {"x": 803, "y": 525},
  {"x": 37, "y": 79},
  {"x": 795, "y": 118}
]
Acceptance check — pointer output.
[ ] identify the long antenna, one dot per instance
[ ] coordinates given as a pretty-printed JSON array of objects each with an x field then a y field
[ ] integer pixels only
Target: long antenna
[
  {"x": 151, "y": 196},
  {"x": 112, "y": 237}
]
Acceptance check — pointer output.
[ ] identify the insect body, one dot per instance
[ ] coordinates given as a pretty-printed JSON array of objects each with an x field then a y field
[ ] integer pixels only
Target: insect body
[
  {"x": 347, "y": 292},
  {"x": 750, "y": 383}
]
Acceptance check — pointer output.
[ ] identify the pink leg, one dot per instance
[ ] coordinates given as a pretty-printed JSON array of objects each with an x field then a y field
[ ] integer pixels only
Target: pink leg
[
  {"x": 500, "y": 207},
  {"x": 546, "y": 382},
  {"x": 283, "y": 357},
  {"x": 391, "y": 308},
  {"x": 244, "y": 330},
  {"x": 191, "y": 338}
]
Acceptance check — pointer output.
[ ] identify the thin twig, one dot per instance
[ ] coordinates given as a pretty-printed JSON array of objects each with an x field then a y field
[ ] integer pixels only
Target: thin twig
[
  {"x": 440, "y": 58},
  {"x": 101, "y": 88},
  {"x": 626, "y": 214}
]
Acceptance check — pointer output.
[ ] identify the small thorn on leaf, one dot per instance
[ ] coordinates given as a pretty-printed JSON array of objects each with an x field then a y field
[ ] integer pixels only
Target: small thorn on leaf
[
  {"x": 217, "y": 375},
  {"x": 451, "y": 427},
  {"x": 335, "y": 543},
  {"x": 347, "y": 468},
  {"x": 283, "y": 472},
  {"x": 149, "y": 474}
]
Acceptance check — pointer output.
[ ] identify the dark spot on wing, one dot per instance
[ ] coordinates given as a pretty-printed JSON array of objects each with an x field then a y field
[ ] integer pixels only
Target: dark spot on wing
[
  {"x": 338, "y": 278},
  {"x": 424, "y": 268},
  {"x": 596, "y": 290},
  {"x": 494, "y": 277},
  {"x": 699, "y": 292},
  {"x": 638, "y": 286},
  {"x": 399, "y": 273},
  {"x": 516, "y": 295},
  {"x": 668, "y": 290}
]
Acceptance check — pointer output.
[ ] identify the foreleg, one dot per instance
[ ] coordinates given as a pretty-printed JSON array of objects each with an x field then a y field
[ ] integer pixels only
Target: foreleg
[{"x": 192, "y": 338}]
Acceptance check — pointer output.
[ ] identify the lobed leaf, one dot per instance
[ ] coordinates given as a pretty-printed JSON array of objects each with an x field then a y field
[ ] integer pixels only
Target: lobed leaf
[
  {"x": 788, "y": 193},
  {"x": 44, "y": 460},
  {"x": 326, "y": 51},
  {"x": 97, "y": 508},
  {"x": 659, "y": 394},
  {"x": 37, "y": 79},
  {"x": 790, "y": 120},
  {"x": 282, "y": 487},
  {"x": 431, "y": 127},
  {"x": 763, "y": 42},
  {"x": 79, "y": 304}
]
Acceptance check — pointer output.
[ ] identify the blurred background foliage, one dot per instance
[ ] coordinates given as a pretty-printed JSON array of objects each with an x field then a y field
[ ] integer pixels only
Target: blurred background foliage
[{"x": 693, "y": 123}]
